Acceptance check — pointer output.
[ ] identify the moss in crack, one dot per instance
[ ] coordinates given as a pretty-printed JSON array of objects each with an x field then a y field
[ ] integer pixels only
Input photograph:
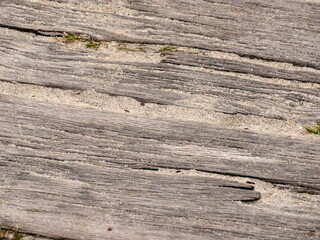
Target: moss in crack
[
  {"x": 93, "y": 44},
  {"x": 72, "y": 37},
  {"x": 314, "y": 130}
]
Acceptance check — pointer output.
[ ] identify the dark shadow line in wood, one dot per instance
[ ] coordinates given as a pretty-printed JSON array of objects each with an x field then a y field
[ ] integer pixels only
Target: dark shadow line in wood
[{"x": 39, "y": 32}]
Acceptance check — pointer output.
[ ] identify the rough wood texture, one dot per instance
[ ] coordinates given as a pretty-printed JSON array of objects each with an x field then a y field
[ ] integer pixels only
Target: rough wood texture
[
  {"x": 235, "y": 95},
  {"x": 231, "y": 65},
  {"x": 86, "y": 202},
  {"x": 132, "y": 203},
  {"x": 285, "y": 31},
  {"x": 74, "y": 172},
  {"x": 144, "y": 143},
  {"x": 49, "y": 63},
  {"x": 52, "y": 64},
  {"x": 51, "y": 174}
]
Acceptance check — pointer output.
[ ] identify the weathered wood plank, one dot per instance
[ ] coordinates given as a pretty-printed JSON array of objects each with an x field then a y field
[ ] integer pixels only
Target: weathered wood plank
[
  {"x": 47, "y": 62},
  {"x": 77, "y": 200},
  {"x": 230, "y": 65},
  {"x": 77, "y": 173},
  {"x": 248, "y": 28},
  {"x": 285, "y": 31},
  {"x": 62, "y": 133},
  {"x": 52, "y": 64},
  {"x": 234, "y": 95}
]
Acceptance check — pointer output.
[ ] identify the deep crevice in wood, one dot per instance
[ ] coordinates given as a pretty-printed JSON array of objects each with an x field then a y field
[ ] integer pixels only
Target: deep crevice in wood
[
  {"x": 34, "y": 31},
  {"x": 304, "y": 188},
  {"x": 252, "y": 114}
]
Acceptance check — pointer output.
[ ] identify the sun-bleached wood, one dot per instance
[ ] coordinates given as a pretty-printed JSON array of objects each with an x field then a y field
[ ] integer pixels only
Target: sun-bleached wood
[
  {"x": 285, "y": 31},
  {"x": 70, "y": 172},
  {"x": 74, "y": 173},
  {"x": 50, "y": 63},
  {"x": 109, "y": 138}
]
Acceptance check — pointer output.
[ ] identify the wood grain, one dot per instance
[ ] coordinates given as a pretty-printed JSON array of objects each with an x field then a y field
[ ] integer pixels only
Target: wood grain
[
  {"x": 71, "y": 170},
  {"x": 236, "y": 66},
  {"x": 144, "y": 143},
  {"x": 53, "y": 64},
  {"x": 234, "y": 95},
  {"x": 285, "y": 31},
  {"x": 82, "y": 201},
  {"x": 46, "y": 62}
]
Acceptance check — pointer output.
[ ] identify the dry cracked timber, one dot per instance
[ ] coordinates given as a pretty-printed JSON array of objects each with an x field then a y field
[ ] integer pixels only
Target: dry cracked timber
[{"x": 186, "y": 121}]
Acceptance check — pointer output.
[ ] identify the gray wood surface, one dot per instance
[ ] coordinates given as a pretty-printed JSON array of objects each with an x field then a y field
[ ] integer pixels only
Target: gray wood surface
[
  {"x": 231, "y": 65},
  {"x": 145, "y": 143},
  {"x": 78, "y": 171},
  {"x": 51, "y": 64},
  {"x": 72, "y": 170},
  {"x": 285, "y": 31},
  {"x": 86, "y": 202}
]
